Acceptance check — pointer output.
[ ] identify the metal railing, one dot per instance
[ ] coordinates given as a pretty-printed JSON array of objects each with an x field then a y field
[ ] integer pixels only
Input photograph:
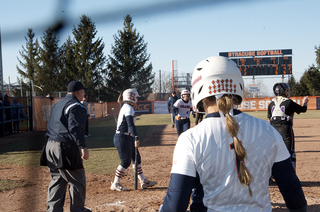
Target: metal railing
[{"x": 4, "y": 121}]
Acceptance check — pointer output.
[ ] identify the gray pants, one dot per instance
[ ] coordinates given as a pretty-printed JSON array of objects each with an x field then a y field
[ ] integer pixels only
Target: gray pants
[
  {"x": 60, "y": 178},
  {"x": 173, "y": 120}
]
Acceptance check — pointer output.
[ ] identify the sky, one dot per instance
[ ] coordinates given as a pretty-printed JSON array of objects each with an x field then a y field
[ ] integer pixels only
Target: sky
[{"x": 186, "y": 31}]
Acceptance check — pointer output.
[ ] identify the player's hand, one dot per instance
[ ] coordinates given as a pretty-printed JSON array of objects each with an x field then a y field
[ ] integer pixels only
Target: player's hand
[
  {"x": 178, "y": 118},
  {"x": 85, "y": 153},
  {"x": 136, "y": 143}
]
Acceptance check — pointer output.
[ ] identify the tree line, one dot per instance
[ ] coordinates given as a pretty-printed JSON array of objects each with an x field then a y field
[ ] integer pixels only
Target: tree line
[
  {"x": 81, "y": 57},
  {"x": 309, "y": 83},
  {"x": 51, "y": 67}
]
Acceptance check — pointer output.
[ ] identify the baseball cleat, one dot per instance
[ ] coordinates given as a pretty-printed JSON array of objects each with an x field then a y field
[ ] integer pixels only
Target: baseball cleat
[
  {"x": 117, "y": 187},
  {"x": 147, "y": 183}
]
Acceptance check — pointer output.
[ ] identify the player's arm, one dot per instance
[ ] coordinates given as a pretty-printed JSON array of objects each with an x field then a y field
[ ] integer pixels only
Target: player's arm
[
  {"x": 289, "y": 186},
  {"x": 131, "y": 126},
  {"x": 175, "y": 108},
  {"x": 76, "y": 124},
  {"x": 269, "y": 110},
  {"x": 178, "y": 194},
  {"x": 294, "y": 107}
]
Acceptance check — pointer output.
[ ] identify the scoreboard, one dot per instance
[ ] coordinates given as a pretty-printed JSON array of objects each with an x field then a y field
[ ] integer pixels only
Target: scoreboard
[{"x": 266, "y": 62}]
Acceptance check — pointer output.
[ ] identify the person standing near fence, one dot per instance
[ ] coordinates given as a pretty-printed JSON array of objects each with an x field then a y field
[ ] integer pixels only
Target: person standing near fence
[
  {"x": 65, "y": 149},
  {"x": 8, "y": 114},
  {"x": 172, "y": 99},
  {"x": 17, "y": 113},
  {"x": 280, "y": 114}
]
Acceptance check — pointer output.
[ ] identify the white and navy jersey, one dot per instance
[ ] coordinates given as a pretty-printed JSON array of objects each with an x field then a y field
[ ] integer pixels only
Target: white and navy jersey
[
  {"x": 207, "y": 150},
  {"x": 126, "y": 120},
  {"x": 182, "y": 108}
]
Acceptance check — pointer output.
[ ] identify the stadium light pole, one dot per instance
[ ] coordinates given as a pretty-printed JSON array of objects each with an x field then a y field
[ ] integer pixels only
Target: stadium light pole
[{"x": 160, "y": 82}]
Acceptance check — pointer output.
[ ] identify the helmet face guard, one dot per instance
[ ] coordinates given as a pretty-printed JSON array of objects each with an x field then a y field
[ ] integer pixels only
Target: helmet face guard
[
  {"x": 216, "y": 76},
  {"x": 280, "y": 88},
  {"x": 184, "y": 92},
  {"x": 130, "y": 95}
]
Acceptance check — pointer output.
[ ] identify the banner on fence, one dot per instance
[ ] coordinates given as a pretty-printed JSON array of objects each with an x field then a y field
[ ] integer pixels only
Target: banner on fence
[
  {"x": 160, "y": 107},
  {"x": 143, "y": 107}
]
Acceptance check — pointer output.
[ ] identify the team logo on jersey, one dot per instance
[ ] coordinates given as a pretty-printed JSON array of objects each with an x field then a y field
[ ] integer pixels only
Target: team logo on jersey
[{"x": 222, "y": 85}]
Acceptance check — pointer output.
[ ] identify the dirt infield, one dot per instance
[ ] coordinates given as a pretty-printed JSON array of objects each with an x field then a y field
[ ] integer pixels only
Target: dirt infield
[{"x": 156, "y": 150}]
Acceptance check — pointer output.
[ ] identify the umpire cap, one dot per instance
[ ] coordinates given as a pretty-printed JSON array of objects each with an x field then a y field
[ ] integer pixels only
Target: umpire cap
[{"x": 75, "y": 86}]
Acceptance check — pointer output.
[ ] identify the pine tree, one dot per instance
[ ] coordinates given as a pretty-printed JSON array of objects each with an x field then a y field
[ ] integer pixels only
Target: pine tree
[
  {"x": 69, "y": 69},
  {"x": 310, "y": 81},
  {"x": 50, "y": 65},
  {"x": 29, "y": 61},
  {"x": 293, "y": 85},
  {"x": 127, "y": 67},
  {"x": 89, "y": 57}
]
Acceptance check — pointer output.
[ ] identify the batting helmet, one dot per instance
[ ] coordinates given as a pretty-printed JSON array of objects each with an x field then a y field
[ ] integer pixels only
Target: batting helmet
[
  {"x": 184, "y": 92},
  {"x": 216, "y": 76},
  {"x": 130, "y": 95},
  {"x": 280, "y": 88}
]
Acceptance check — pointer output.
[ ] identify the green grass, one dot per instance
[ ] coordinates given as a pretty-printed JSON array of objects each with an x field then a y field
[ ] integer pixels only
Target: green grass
[
  {"x": 10, "y": 184},
  {"x": 103, "y": 155}
]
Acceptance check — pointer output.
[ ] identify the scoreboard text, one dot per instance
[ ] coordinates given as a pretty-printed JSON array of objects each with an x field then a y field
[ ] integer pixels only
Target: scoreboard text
[{"x": 268, "y": 62}]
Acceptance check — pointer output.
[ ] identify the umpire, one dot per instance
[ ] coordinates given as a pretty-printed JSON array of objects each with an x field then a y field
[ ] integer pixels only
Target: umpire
[
  {"x": 172, "y": 99},
  {"x": 65, "y": 150}
]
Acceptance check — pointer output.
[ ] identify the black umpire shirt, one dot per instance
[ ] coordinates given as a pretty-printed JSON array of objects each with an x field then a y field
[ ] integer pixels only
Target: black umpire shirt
[{"x": 67, "y": 121}]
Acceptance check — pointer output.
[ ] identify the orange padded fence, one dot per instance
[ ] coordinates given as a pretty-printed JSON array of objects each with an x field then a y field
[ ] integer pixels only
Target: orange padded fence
[{"x": 42, "y": 107}]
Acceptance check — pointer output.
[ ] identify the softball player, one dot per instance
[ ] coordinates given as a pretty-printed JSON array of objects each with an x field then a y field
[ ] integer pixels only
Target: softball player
[
  {"x": 280, "y": 114},
  {"x": 226, "y": 161},
  {"x": 126, "y": 139},
  {"x": 181, "y": 111}
]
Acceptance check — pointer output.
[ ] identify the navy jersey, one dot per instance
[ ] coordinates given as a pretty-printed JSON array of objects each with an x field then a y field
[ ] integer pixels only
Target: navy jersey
[{"x": 67, "y": 121}]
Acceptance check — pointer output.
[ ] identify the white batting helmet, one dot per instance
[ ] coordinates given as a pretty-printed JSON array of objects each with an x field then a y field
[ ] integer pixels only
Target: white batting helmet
[
  {"x": 216, "y": 76},
  {"x": 130, "y": 95},
  {"x": 184, "y": 92}
]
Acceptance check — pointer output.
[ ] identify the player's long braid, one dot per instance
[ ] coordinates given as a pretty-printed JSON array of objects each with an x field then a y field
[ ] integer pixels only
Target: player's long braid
[
  {"x": 120, "y": 99},
  {"x": 225, "y": 104}
]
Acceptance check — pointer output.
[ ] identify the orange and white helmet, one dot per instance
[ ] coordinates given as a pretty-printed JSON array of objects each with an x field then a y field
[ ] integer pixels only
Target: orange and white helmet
[
  {"x": 184, "y": 92},
  {"x": 130, "y": 95},
  {"x": 216, "y": 76}
]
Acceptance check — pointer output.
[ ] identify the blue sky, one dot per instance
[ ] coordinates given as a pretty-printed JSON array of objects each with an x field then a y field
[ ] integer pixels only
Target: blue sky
[{"x": 184, "y": 30}]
